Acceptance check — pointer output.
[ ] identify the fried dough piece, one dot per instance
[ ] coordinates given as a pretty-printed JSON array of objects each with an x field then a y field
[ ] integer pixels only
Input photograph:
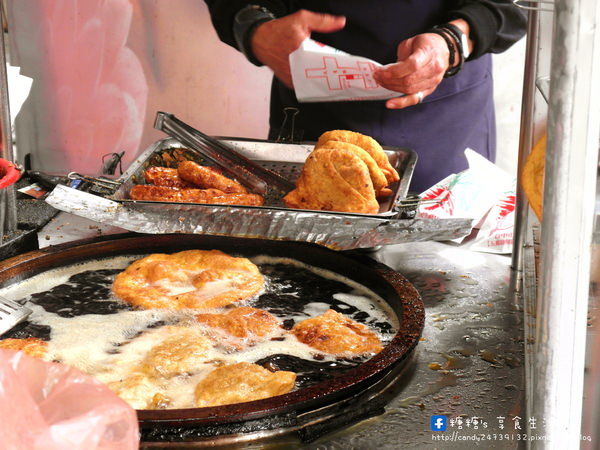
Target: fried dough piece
[
  {"x": 188, "y": 279},
  {"x": 242, "y": 382},
  {"x": 207, "y": 178},
  {"x": 205, "y": 196},
  {"x": 30, "y": 346},
  {"x": 334, "y": 180},
  {"x": 336, "y": 334},
  {"x": 165, "y": 176},
  {"x": 183, "y": 350},
  {"x": 245, "y": 324},
  {"x": 135, "y": 390},
  {"x": 532, "y": 177},
  {"x": 377, "y": 176},
  {"x": 368, "y": 144}
]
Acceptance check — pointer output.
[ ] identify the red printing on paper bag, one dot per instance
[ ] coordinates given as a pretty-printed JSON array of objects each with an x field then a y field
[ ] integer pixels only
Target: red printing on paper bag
[{"x": 340, "y": 78}]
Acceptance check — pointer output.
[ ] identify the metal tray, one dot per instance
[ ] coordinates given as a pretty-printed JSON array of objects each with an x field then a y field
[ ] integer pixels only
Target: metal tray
[
  {"x": 284, "y": 159},
  {"x": 335, "y": 230}
]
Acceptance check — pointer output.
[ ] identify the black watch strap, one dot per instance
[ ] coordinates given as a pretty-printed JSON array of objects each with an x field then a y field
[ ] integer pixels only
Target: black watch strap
[
  {"x": 452, "y": 70},
  {"x": 244, "y": 24}
]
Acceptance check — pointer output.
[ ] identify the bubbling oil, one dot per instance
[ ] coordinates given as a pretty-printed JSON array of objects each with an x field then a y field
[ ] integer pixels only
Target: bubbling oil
[{"x": 86, "y": 326}]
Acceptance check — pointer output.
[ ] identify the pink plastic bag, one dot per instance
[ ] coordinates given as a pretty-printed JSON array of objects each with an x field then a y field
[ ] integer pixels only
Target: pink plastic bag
[{"x": 53, "y": 406}]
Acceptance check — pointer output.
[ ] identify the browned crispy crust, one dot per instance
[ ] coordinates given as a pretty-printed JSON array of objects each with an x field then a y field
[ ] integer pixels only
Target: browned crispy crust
[
  {"x": 378, "y": 178},
  {"x": 30, "y": 346},
  {"x": 368, "y": 144},
  {"x": 244, "y": 324},
  {"x": 242, "y": 382},
  {"x": 165, "y": 176},
  {"x": 334, "y": 180},
  {"x": 206, "y": 178},
  {"x": 336, "y": 334},
  {"x": 148, "y": 192},
  {"x": 188, "y": 279}
]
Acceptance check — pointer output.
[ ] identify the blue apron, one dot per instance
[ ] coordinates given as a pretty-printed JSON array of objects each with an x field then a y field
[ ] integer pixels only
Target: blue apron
[{"x": 457, "y": 115}]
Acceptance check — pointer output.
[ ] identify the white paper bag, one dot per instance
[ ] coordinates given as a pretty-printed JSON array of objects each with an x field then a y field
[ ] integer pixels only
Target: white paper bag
[{"x": 324, "y": 74}]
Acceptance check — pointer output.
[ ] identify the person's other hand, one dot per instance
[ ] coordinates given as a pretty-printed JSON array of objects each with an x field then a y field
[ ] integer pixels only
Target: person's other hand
[
  {"x": 422, "y": 62},
  {"x": 273, "y": 41}
]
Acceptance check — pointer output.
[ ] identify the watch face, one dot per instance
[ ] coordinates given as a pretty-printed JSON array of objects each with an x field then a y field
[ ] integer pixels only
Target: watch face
[{"x": 465, "y": 45}]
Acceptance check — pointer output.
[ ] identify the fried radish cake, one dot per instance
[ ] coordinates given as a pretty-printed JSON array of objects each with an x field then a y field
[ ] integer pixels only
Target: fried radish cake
[
  {"x": 242, "y": 382},
  {"x": 188, "y": 279},
  {"x": 334, "y": 180},
  {"x": 336, "y": 334},
  {"x": 30, "y": 346},
  {"x": 368, "y": 144},
  {"x": 242, "y": 326},
  {"x": 377, "y": 176}
]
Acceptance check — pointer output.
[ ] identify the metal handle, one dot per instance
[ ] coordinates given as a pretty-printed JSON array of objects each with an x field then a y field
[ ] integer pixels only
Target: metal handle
[{"x": 255, "y": 177}]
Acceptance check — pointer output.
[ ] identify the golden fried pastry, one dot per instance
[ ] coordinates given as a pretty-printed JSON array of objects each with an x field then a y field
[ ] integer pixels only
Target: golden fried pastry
[
  {"x": 205, "y": 196},
  {"x": 532, "y": 177},
  {"x": 242, "y": 382},
  {"x": 377, "y": 176},
  {"x": 188, "y": 279},
  {"x": 165, "y": 176},
  {"x": 336, "y": 334},
  {"x": 244, "y": 324},
  {"x": 181, "y": 352},
  {"x": 135, "y": 389},
  {"x": 30, "y": 346},
  {"x": 368, "y": 144},
  {"x": 334, "y": 180},
  {"x": 207, "y": 178}
]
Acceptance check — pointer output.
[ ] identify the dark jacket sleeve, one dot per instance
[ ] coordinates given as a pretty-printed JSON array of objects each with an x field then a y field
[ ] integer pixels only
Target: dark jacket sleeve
[
  {"x": 495, "y": 25},
  {"x": 222, "y": 13}
]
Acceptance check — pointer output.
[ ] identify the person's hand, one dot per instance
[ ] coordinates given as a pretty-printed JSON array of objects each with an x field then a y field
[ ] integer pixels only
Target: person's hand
[
  {"x": 273, "y": 41},
  {"x": 422, "y": 62}
]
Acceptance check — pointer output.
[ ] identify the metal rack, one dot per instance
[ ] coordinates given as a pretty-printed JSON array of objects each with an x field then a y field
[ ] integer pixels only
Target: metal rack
[{"x": 557, "y": 300}]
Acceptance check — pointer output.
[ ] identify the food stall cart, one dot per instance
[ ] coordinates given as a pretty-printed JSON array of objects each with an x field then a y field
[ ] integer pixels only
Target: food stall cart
[{"x": 497, "y": 330}]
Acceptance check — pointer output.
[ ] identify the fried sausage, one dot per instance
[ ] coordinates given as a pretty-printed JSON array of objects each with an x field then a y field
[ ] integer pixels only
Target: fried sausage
[
  {"x": 214, "y": 196},
  {"x": 207, "y": 178},
  {"x": 165, "y": 176}
]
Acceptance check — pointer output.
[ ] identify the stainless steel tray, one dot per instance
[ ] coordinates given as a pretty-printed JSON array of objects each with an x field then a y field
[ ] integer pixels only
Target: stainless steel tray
[
  {"x": 335, "y": 230},
  {"x": 285, "y": 159}
]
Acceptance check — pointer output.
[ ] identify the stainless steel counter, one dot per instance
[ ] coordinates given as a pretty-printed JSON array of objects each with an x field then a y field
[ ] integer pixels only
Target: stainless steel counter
[{"x": 469, "y": 365}]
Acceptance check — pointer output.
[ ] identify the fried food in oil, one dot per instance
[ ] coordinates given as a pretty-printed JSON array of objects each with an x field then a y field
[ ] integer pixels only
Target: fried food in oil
[
  {"x": 135, "y": 390},
  {"x": 30, "y": 346},
  {"x": 165, "y": 176},
  {"x": 183, "y": 350},
  {"x": 368, "y": 144},
  {"x": 188, "y": 279},
  {"x": 334, "y": 180},
  {"x": 336, "y": 334},
  {"x": 377, "y": 176},
  {"x": 245, "y": 324},
  {"x": 207, "y": 178},
  {"x": 242, "y": 382},
  {"x": 532, "y": 177},
  {"x": 205, "y": 196}
]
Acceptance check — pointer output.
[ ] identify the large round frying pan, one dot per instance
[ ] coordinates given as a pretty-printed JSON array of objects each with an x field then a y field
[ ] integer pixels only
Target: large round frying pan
[{"x": 298, "y": 410}]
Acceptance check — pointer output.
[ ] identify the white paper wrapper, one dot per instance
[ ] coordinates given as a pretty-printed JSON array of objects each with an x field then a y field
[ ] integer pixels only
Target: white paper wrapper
[
  {"x": 325, "y": 74},
  {"x": 484, "y": 193}
]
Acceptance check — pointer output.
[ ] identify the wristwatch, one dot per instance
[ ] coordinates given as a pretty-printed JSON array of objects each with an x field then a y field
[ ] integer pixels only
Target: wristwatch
[
  {"x": 460, "y": 37},
  {"x": 245, "y": 22}
]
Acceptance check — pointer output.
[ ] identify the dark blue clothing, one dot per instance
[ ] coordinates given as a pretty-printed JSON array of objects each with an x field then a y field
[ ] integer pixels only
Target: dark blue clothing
[{"x": 457, "y": 115}]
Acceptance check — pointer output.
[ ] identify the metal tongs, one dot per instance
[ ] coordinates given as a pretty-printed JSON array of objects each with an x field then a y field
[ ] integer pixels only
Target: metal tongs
[{"x": 255, "y": 177}]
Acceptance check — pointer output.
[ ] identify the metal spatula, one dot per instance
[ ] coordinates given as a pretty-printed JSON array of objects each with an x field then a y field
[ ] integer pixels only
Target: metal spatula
[{"x": 11, "y": 313}]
